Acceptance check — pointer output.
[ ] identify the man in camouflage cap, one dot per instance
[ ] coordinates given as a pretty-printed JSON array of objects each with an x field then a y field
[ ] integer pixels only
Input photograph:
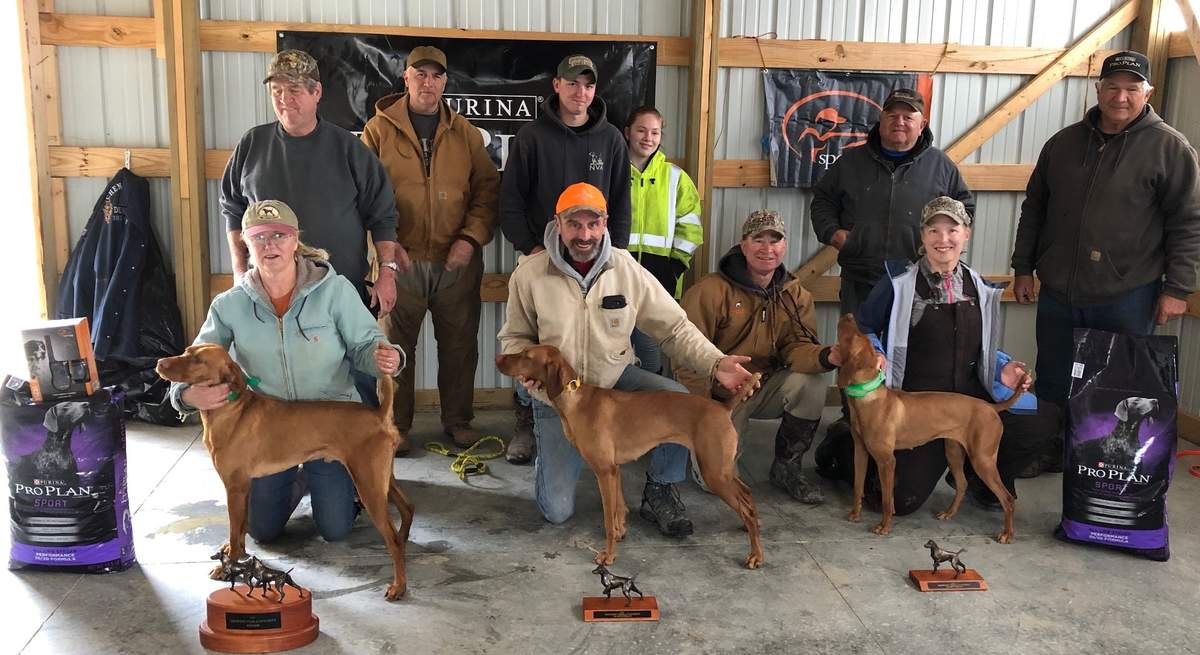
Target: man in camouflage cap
[
  {"x": 753, "y": 306},
  {"x": 336, "y": 186}
]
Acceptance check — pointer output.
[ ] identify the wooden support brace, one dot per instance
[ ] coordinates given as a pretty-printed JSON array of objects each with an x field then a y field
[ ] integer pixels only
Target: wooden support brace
[
  {"x": 1032, "y": 90},
  {"x": 1192, "y": 27}
]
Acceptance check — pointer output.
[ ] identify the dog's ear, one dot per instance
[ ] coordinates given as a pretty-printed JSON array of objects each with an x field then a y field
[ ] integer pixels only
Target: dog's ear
[
  {"x": 1122, "y": 410},
  {"x": 230, "y": 373}
]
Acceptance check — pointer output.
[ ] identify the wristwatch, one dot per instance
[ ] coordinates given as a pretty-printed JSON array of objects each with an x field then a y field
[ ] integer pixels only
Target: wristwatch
[{"x": 392, "y": 265}]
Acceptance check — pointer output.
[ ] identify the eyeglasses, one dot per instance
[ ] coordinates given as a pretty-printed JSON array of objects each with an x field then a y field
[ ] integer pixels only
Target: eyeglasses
[{"x": 273, "y": 237}]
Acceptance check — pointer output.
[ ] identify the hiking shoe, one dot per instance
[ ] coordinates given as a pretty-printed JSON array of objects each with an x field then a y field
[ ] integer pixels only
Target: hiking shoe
[
  {"x": 522, "y": 447},
  {"x": 787, "y": 476},
  {"x": 661, "y": 505},
  {"x": 463, "y": 434}
]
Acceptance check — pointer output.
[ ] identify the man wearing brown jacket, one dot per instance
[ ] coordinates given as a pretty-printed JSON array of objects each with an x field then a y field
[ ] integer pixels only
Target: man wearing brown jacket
[
  {"x": 753, "y": 306},
  {"x": 446, "y": 190}
]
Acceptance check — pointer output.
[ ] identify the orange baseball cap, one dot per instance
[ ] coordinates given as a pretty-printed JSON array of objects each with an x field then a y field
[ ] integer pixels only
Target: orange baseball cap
[{"x": 581, "y": 196}]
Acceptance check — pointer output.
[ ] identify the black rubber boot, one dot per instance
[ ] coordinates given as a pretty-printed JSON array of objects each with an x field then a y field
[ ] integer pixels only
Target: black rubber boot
[
  {"x": 661, "y": 505},
  {"x": 793, "y": 439}
]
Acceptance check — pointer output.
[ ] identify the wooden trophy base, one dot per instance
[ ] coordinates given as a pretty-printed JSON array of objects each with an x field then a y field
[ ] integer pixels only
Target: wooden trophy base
[
  {"x": 944, "y": 580},
  {"x": 259, "y": 624},
  {"x": 599, "y": 608}
]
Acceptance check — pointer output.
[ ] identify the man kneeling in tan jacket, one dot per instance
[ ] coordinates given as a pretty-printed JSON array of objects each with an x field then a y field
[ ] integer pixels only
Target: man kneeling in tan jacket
[{"x": 585, "y": 297}]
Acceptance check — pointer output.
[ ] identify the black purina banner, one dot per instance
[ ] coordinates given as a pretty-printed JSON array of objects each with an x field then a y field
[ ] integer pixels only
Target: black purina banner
[
  {"x": 498, "y": 85},
  {"x": 814, "y": 116}
]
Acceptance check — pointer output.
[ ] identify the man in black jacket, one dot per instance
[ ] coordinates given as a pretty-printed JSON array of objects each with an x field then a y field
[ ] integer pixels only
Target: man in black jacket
[
  {"x": 571, "y": 141},
  {"x": 1110, "y": 222},
  {"x": 868, "y": 204}
]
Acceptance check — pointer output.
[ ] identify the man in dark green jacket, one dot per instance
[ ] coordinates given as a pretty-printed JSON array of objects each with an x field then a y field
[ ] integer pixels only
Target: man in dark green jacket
[{"x": 1110, "y": 223}]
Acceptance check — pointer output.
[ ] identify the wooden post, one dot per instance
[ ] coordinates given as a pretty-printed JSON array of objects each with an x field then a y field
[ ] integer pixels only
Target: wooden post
[
  {"x": 181, "y": 42},
  {"x": 37, "y": 119},
  {"x": 702, "y": 87},
  {"x": 1149, "y": 38}
]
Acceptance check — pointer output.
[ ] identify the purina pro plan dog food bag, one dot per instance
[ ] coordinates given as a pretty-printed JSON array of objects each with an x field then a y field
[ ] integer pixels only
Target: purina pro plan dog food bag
[
  {"x": 67, "y": 498},
  {"x": 1119, "y": 450}
]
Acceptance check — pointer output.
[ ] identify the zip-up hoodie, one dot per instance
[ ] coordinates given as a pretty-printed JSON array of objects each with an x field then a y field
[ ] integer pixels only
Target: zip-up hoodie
[
  {"x": 457, "y": 200},
  {"x": 306, "y": 354},
  {"x": 546, "y": 157},
  {"x": 776, "y": 327},
  {"x": 1101, "y": 218},
  {"x": 879, "y": 201}
]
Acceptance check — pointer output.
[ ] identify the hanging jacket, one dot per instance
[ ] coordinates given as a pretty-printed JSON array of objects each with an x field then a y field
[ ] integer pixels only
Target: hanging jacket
[
  {"x": 776, "y": 327},
  {"x": 1103, "y": 218},
  {"x": 457, "y": 200},
  {"x": 546, "y": 157},
  {"x": 665, "y": 227},
  {"x": 879, "y": 201}
]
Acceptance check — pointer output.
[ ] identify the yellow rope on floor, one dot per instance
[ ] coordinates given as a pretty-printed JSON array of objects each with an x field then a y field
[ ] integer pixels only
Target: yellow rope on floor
[{"x": 467, "y": 462}]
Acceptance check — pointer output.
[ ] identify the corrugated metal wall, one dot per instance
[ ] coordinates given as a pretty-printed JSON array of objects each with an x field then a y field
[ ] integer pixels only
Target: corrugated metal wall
[
  {"x": 959, "y": 101},
  {"x": 117, "y": 97}
]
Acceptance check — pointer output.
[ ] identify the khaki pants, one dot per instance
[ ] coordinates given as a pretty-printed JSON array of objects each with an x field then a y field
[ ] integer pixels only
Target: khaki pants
[
  {"x": 453, "y": 300},
  {"x": 800, "y": 394}
]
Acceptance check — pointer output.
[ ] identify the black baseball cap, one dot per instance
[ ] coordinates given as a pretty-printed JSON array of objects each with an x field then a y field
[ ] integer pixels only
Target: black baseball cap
[
  {"x": 908, "y": 97},
  {"x": 1126, "y": 62}
]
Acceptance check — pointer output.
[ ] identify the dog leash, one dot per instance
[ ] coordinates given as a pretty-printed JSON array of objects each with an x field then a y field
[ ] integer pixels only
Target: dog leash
[
  {"x": 467, "y": 462},
  {"x": 1194, "y": 469}
]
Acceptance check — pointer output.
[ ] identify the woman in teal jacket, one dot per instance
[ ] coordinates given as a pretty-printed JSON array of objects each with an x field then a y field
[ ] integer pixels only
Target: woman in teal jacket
[{"x": 300, "y": 329}]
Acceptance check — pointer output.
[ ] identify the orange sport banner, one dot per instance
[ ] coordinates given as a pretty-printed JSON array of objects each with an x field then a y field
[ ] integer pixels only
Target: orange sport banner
[{"x": 813, "y": 117}]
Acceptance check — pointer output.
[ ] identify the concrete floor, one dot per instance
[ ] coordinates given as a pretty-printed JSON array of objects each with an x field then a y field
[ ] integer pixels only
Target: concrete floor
[{"x": 488, "y": 575}]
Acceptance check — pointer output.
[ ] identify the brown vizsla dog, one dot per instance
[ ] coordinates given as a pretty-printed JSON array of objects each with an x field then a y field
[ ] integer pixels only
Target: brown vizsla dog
[
  {"x": 885, "y": 419},
  {"x": 254, "y": 435},
  {"x": 611, "y": 427}
]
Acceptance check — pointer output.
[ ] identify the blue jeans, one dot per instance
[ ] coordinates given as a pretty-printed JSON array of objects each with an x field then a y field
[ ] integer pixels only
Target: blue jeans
[
  {"x": 272, "y": 499},
  {"x": 365, "y": 384},
  {"x": 645, "y": 348},
  {"x": 1132, "y": 313},
  {"x": 557, "y": 466}
]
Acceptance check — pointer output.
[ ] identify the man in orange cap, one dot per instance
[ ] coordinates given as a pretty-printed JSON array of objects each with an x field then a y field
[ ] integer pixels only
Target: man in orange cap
[{"x": 585, "y": 297}]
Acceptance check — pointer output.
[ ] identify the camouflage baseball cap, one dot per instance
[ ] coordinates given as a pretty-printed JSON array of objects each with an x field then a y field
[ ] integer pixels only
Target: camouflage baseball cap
[
  {"x": 908, "y": 97},
  {"x": 293, "y": 66},
  {"x": 761, "y": 220},
  {"x": 948, "y": 207}
]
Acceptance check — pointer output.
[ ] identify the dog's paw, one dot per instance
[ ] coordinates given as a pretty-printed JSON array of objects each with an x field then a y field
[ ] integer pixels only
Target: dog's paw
[
  {"x": 396, "y": 590},
  {"x": 944, "y": 515},
  {"x": 754, "y": 561},
  {"x": 218, "y": 573},
  {"x": 854, "y": 515},
  {"x": 1004, "y": 538},
  {"x": 605, "y": 558},
  {"x": 882, "y": 529}
]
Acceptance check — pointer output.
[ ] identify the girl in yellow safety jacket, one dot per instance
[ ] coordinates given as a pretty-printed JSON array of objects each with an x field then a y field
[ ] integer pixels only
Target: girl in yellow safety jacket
[{"x": 665, "y": 229}]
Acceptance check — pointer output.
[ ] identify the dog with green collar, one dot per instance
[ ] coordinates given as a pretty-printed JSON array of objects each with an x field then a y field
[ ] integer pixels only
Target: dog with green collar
[{"x": 883, "y": 420}]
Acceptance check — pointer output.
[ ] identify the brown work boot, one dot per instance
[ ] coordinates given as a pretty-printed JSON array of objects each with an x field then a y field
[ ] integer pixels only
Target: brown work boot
[
  {"x": 522, "y": 447},
  {"x": 463, "y": 434},
  {"x": 404, "y": 445}
]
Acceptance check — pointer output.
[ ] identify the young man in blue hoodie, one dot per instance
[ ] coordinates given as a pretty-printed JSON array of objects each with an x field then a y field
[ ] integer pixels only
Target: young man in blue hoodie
[{"x": 571, "y": 141}]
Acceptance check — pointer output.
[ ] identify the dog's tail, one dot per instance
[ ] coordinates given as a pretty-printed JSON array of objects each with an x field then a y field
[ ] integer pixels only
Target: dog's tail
[
  {"x": 385, "y": 388},
  {"x": 1012, "y": 400},
  {"x": 744, "y": 392}
]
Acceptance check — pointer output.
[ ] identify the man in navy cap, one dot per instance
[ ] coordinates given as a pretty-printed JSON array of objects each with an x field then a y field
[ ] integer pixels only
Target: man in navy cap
[{"x": 1110, "y": 223}]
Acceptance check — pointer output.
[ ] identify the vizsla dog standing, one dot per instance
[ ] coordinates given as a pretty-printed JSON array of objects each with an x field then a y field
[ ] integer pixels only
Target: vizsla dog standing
[
  {"x": 610, "y": 427},
  {"x": 884, "y": 419},
  {"x": 254, "y": 435}
]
